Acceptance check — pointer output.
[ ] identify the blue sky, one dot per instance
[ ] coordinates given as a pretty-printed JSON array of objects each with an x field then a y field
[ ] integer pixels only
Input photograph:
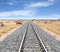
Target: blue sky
[{"x": 29, "y": 9}]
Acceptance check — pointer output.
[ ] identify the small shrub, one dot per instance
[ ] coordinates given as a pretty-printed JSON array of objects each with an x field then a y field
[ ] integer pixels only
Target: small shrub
[
  {"x": 48, "y": 22},
  {"x": 45, "y": 22},
  {"x": 19, "y": 22},
  {"x": 0, "y": 35},
  {"x": 1, "y": 24}
]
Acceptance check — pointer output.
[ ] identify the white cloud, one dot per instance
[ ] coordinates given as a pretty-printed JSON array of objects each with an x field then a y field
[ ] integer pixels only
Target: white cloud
[
  {"x": 40, "y": 4},
  {"x": 51, "y": 0},
  {"x": 10, "y": 3},
  {"x": 51, "y": 16},
  {"x": 16, "y": 13},
  {"x": 55, "y": 15}
]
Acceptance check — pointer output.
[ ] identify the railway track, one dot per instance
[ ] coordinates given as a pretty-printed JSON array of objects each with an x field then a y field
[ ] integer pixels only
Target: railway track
[{"x": 31, "y": 42}]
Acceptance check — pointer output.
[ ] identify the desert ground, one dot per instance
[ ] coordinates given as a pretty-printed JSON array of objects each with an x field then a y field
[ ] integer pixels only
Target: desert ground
[
  {"x": 8, "y": 25},
  {"x": 50, "y": 25}
]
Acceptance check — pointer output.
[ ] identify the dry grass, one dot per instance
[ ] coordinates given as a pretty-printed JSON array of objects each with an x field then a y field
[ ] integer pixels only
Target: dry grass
[
  {"x": 8, "y": 26},
  {"x": 51, "y": 25}
]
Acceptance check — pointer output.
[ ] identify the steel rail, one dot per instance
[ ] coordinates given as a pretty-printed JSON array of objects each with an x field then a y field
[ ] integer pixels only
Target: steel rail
[
  {"x": 23, "y": 39},
  {"x": 45, "y": 49},
  {"x": 39, "y": 39}
]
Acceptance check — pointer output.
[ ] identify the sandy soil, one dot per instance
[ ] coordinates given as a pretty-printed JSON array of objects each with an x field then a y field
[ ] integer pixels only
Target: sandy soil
[
  {"x": 52, "y": 27},
  {"x": 8, "y": 28},
  {"x": 8, "y": 33}
]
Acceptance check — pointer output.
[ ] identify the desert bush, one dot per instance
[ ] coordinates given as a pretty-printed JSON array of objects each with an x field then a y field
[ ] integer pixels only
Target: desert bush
[
  {"x": 0, "y": 34},
  {"x": 48, "y": 22},
  {"x": 18, "y": 22},
  {"x": 32, "y": 20},
  {"x": 1, "y": 24},
  {"x": 45, "y": 22}
]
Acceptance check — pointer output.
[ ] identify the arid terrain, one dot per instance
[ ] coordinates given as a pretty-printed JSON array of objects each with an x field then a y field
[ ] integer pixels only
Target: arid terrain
[
  {"x": 8, "y": 25},
  {"x": 50, "y": 25},
  {"x": 30, "y": 38}
]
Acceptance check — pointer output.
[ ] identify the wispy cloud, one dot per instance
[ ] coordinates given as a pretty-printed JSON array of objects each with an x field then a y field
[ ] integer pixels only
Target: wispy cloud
[
  {"x": 18, "y": 13},
  {"x": 51, "y": 0},
  {"x": 10, "y": 3},
  {"x": 40, "y": 4},
  {"x": 56, "y": 15},
  {"x": 51, "y": 16}
]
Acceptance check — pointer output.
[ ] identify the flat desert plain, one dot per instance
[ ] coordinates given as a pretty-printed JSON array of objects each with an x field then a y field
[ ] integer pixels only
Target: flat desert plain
[
  {"x": 50, "y": 25},
  {"x": 8, "y": 25}
]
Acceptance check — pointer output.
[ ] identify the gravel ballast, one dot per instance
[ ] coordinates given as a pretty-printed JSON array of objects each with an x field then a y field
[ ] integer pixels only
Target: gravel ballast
[
  {"x": 49, "y": 41},
  {"x": 12, "y": 42}
]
